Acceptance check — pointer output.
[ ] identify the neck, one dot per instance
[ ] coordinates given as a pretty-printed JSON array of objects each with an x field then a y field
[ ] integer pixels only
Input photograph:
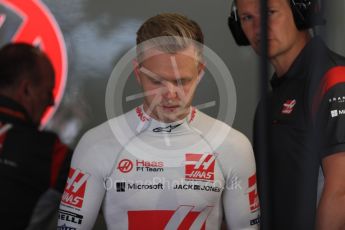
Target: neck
[
  {"x": 283, "y": 62},
  {"x": 180, "y": 115}
]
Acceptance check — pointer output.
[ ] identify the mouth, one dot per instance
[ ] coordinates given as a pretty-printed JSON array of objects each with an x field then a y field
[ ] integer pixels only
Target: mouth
[
  {"x": 170, "y": 107},
  {"x": 258, "y": 41}
]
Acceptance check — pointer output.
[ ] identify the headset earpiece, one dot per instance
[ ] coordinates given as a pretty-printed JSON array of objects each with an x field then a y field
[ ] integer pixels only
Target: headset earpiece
[
  {"x": 307, "y": 13},
  {"x": 234, "y": 24}
]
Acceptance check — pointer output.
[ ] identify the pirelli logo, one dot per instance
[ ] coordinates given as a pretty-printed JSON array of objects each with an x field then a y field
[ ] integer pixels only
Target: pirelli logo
[
  {"x": 200, "y": 166},
  {"x": 71, "y": 217}
]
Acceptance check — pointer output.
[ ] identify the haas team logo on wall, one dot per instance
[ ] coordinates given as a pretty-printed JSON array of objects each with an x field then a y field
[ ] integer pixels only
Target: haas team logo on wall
[{"x": 38, "y": 27}]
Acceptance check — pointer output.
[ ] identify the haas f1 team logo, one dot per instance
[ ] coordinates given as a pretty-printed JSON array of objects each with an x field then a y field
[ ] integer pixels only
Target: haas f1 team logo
[
  {"x": 125, "y": 166},
  {"x": 38, "y": 27},
  {"x": 182, "y": 218},
  {"x": 288, "y": 106},
  {"x": 200, "y": 166},
  {"x": 75, "y": 188},
  {"x": 253, "y": 194}
]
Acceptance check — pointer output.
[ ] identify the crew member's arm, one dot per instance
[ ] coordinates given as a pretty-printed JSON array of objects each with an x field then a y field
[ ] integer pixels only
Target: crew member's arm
[
  {"x": 331, "y": 210},
  {"x": 85, "y": 189},
  {"x": 48, "y": 203},
  {"x": 240, "y": 198},
  {"x": 331, "y": 115}
]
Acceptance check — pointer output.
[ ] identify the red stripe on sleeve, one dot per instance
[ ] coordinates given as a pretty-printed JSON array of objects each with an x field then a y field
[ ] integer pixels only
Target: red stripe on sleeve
[
  {"x": 334, "y": 76},
  {"x": 60, "y": 151}
]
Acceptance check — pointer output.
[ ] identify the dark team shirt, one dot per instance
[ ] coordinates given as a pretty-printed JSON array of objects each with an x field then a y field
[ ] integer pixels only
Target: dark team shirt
[
  {"x": 31, "y": 161},
  {"x": 306, "y": 122}
]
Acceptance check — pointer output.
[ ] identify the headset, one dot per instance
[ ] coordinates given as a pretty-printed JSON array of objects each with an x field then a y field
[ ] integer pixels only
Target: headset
[{"x": 306, "y": 13}]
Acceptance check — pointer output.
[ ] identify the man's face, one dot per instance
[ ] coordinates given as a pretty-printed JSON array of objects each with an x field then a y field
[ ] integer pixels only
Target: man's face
[
  {"x": 41, "y": 94},
  {"x": 282, "y": 32},
  {"x": 169, "y": 82}
]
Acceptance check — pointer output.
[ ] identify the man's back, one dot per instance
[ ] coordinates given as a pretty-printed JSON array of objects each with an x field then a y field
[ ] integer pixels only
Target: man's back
[{"x": 30, "y": 162}]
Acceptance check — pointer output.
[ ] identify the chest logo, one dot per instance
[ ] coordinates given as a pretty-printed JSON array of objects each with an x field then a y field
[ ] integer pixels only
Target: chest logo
[
  {"x": 125, "y": 166},
  {"x": 288, "y": 106},
  {"x": 200, "y": 167},
  {"x": 166, "y": 129}
]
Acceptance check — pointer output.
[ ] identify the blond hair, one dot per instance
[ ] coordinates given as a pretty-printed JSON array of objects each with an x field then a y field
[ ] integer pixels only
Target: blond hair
[{"x": 177, "y": 31}]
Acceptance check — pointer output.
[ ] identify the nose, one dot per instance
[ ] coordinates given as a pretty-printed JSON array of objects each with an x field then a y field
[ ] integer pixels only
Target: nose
[
  {"x": 257, "y": 26},
  {"x": 170, "y": 90}
]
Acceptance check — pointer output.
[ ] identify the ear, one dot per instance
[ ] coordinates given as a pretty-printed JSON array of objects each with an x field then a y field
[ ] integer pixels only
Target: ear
[
  {"x": 24, "y": 90},
  {"x": 136, "y": 69},
  {"x": 201, "y": 71},
  {"x": 23, "y": 94}
]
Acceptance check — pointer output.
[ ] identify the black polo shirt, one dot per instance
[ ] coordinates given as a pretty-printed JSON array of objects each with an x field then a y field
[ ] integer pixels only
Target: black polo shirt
[
  {"x": 306, "y": 122},
  {"x": 31, "y": 161}
]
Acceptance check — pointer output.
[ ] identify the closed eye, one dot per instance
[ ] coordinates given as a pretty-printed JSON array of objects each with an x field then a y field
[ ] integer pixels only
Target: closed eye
[{"x": 155, "y": 82}]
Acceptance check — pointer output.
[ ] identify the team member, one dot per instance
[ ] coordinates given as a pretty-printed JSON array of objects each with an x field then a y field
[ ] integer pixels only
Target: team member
[
  {"x": 33, "y": 163},
  {"x": 165, "y": 164},
  {"x": 306, "y": 119}
]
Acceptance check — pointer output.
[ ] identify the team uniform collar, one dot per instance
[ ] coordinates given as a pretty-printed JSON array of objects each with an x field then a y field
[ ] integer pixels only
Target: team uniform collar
[
  {"x": 12, "y": 111},
  {"x": 154, "y": 126}
]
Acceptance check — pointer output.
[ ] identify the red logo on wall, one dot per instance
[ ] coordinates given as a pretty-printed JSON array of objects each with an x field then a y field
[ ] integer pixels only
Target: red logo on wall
[
  {"x": 125, "y": 166},
  {"x": 200, "y": 166},
  {"x": 75, "y": 188},
  {"x": 38, "y": 27},
  {"x": 182, "y": 218},
  {"x": 253, "y": 194}
]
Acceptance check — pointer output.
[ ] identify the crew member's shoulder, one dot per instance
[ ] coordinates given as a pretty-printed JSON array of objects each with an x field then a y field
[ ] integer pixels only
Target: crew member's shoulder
[
  {"x": 335, "y": 58},
  {"x": 323, "y": 58},
  {"x": 33, "y": 136},
  {"x": 324, "y": 71}
]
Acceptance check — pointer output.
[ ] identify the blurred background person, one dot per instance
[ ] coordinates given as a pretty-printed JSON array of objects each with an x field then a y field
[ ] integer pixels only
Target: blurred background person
[{"x": 33, "y": 163}]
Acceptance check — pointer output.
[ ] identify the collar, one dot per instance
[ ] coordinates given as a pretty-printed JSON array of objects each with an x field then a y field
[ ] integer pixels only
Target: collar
[
  {"x": 149, "y": 124},
  {"x": 314, "y": 48},
  {"x": 12, "y": 111}
]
